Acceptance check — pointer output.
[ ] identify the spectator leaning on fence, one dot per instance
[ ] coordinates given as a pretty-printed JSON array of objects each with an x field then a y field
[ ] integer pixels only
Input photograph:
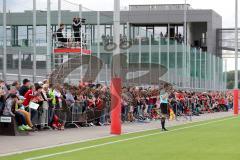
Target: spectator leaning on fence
[
  {"x": 45, "y": 104},
  {"x": 28, "y": 97},
  {"x": 58, "y": 96},
  {"x": 70, "y": 97}
]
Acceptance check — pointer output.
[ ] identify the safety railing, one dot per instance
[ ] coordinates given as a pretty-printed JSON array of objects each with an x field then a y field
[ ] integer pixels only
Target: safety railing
[{"x": 70, "y": 39}]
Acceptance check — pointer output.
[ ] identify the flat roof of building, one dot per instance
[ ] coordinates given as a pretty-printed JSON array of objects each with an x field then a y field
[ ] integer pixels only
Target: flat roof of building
[{"x": 137, "y": 14}]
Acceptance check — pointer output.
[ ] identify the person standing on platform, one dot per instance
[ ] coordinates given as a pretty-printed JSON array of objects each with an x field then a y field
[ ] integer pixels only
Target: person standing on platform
[
  {"x": 60, "y": 37},
  {"x": 76, "y": 26}
]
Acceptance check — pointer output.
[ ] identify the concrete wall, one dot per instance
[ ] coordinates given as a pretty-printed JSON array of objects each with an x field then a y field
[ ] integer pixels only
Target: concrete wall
[
  {"x": 138, "y": 17},
  {"x": 212, "y": 27}
]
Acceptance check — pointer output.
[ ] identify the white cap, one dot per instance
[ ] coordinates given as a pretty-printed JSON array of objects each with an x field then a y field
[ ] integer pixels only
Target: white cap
[{"x": 40, "y": 83}]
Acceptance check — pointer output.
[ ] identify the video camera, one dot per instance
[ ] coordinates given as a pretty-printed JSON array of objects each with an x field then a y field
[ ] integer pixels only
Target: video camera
[{"x": 83, "y": 20}]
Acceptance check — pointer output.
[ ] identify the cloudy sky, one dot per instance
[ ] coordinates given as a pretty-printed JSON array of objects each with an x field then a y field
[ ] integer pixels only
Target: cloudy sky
[{"x": 224, "y": 7}]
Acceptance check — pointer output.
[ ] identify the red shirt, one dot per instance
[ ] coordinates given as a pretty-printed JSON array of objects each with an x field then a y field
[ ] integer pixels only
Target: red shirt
[
  {"x": 99, "y": 104},
  {"x": 151, "y": 101},
  {"x": 28, "y": 97},
  {"x": 221, "y": 101},
  {"x": 179, "y": 96},
  {"x": 90, "y": 103}
]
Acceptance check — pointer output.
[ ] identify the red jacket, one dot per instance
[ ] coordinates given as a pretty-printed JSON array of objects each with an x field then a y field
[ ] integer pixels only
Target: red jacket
[{"x": 28, "y": 97}]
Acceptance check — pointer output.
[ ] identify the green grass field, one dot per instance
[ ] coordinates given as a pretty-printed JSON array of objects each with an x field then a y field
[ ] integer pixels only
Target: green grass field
[{"x": 209, "y": 140}]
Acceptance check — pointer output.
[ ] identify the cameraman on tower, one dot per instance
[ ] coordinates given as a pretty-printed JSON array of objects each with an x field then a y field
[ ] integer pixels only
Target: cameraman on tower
[{"x": 76, "y": 26}]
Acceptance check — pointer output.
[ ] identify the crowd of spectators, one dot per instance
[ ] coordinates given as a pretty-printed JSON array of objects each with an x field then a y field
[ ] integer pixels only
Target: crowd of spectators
[
  {"x": 88, "y": 104},
  {"x": 52, "y": 102},
  {"x": 107, "y": 39},
  {"x": 145, "y": 103}
]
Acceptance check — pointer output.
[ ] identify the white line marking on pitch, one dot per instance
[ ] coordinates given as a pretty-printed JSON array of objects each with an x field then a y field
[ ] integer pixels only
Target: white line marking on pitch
[
  {"x": 123, "y": 140},
  {"x": 92, "y": 139}
]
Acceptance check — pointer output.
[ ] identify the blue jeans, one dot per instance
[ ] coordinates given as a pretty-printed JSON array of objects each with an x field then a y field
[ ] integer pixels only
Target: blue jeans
[
  {"x": 20, "y": 118},
  {"x": 230, "y": 105},
  {"x": 125, "y": 111},
  {"x": 139, "y": 110},
  {"x": 50, "y": 115},
  {"x": 102, "y": 118},
  {"x": 149, "y": 108}
]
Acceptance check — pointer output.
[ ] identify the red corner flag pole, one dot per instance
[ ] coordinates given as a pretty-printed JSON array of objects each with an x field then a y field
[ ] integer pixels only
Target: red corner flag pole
[
  {"x": 235, "y": 92},
  {"x": 116, "y": 106},
  {"x": 235, "y": 101},
  {"x": 116, "y": 86}
]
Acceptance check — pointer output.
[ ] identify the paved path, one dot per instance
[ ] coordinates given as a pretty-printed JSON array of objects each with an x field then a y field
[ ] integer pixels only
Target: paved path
[{"x": 45, "y": 139}]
